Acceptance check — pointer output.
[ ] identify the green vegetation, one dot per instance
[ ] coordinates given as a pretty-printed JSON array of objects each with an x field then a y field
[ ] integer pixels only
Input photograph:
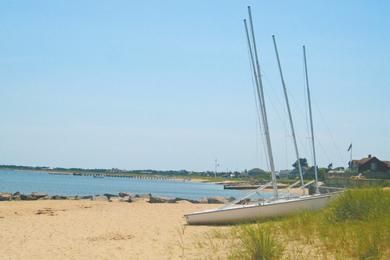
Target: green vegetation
[
  {"x": 356, "y": 225},
  {"x": 256, "y": 242}
]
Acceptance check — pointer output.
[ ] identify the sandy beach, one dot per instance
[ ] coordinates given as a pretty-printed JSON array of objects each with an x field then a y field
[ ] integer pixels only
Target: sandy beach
[{"x": 85, "y": 229}]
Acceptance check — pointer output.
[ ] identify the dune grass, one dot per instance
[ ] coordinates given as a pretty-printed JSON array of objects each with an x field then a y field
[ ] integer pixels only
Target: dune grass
[
  {"x": 355, "y": 225},
  {"x": 257, "y": 242}
]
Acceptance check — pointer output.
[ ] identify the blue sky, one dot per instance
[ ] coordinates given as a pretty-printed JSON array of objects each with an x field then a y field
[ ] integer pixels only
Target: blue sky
[{"x": 167, "y": 84}]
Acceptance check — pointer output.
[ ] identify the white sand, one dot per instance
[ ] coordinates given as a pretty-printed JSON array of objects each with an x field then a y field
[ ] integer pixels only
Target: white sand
[{"x": 83, "y": 229}]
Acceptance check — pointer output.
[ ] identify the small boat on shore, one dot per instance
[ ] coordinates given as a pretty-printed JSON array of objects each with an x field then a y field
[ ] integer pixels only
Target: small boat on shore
[
  {"x": 252, "y": 212},
  {"x": 281, "y": 203}
]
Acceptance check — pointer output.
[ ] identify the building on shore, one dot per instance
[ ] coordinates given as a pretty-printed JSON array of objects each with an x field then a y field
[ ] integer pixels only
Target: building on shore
[{"x": 370, "y": 163}]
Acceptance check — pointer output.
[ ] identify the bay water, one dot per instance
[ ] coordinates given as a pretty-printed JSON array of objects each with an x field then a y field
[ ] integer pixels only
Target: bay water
[{"x": 71, "y": 185}]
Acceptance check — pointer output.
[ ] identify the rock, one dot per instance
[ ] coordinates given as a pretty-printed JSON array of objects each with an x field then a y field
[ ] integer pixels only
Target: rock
[
  {"x": 5, "y": 196},
  {"x": 125, "y": 194},
  {"x": 189, "y": 200},
  {"x": 39, "y": 195},
  {"x": 100, "y": 198},
  {"x": 161, "y": 200},
  {"x": 58, "y": 197},
  {"x": 34, "y": 196},
  {"x": 214, "y": 200},
  {"x": 230, "y": 199},
  {"x": 88, "y": 197},
  {"x": 27, "y": 197},
  {"x": 126, "y": 199},
  {"x": 109, "y": 196},
  {"x": 244, "y": 201},
  {"x": 16, "y": 196},
  {"x": 203, "y": 201}
]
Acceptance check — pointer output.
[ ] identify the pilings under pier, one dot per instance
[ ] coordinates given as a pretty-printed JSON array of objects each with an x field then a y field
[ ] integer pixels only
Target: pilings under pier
[{"x": 118, "y": 175}]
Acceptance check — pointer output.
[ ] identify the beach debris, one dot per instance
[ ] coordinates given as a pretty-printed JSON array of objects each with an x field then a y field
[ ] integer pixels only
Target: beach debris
[
  {"x": 45, "y": 211},
  {"x": 48, "y": 211},
  {"x": 110, "y": 236}
]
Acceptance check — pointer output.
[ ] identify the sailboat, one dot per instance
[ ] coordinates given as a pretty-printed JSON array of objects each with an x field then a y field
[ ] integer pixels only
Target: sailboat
[{"x": 281, "y": 203}]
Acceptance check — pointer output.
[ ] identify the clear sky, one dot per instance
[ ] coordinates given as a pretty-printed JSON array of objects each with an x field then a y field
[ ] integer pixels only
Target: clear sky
[{"x": 167, "y": 84}]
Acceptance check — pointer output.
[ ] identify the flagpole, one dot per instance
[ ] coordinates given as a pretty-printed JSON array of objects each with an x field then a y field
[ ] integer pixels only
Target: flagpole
[{"x": 351, "y": 157}]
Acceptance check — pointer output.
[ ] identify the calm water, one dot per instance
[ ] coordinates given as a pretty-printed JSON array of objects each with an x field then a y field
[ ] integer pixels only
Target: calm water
[{"x": 30, "y": 181}]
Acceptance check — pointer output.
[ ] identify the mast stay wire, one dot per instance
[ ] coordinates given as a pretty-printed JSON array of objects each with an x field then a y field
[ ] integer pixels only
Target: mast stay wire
[
  {"x": 300, "y": 113},
  {"x": 259, "y": 133},
  {"x": 317, "y": 140},
  {"x": 337, "y": 148},
  {"x": 323, "y": 121},
  {"x": 306, "y": 150},
  {"x": 273, "y": 93}
]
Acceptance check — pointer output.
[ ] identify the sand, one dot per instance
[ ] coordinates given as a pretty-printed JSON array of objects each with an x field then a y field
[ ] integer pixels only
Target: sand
[{"x": 84, "y": 229}]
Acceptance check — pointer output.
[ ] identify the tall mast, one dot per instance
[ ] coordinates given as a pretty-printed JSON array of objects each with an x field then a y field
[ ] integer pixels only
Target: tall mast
[
  {"x": 311, "y": 120},
  {"x": 262, "y": 103},
  {"x": 257, "y": 90},
  {"x": 289, "y": 111}
]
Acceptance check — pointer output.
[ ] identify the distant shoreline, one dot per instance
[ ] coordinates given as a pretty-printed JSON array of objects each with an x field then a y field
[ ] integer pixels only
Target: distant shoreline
[
  {"x": 196, "y": 179},
  {"x": 109, "y": 173},
  {"x": 151, "y": 176}
]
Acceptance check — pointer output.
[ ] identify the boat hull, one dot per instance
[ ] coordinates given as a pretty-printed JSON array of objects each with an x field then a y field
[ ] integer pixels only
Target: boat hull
[{"x": 248, "y": 213}]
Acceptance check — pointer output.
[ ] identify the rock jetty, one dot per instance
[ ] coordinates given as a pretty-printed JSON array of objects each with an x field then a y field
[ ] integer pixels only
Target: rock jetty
[{"x": 121, "y": 197}]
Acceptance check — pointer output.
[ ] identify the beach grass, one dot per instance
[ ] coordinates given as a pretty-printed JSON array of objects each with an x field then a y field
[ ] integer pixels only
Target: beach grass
[
  {"x": 355, "y": 225},
  {"x": 257, "y": 242}
]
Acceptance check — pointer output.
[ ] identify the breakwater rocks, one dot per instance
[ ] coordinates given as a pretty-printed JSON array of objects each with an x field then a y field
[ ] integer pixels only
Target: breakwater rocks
[{"x": 121, "y": 197}]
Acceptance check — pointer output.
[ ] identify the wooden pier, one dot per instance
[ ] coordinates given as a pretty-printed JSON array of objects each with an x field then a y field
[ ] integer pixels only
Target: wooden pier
[{"x": 119, "y": 175}]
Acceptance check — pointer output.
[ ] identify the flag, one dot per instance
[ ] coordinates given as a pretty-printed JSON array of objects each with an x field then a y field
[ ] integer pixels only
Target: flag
[
  {"x": 330, "y": 166},
  {"x": 349, "y": 148}
]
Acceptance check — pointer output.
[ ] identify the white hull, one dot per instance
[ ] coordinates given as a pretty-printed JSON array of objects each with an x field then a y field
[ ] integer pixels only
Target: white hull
[{"x": 246, "y": 213}]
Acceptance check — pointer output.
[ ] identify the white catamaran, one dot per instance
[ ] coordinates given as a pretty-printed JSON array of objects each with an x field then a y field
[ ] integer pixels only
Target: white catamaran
[{"x": 281, "y": 203}]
